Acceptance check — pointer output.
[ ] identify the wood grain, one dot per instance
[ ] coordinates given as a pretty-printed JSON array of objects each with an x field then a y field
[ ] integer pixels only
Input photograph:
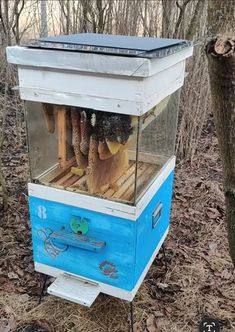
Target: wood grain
[
  {"x": 121, "y": 190},
  {"x": 62, "y": 135}
]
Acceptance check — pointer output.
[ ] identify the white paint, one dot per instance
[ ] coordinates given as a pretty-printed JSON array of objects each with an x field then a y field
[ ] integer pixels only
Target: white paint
[
  {"x": 105, "y": 288},
  {"x": 86, "y": 101},
  {"x": 82, "y": 84},
  {"x": 120, "y": 94},
  {"x": 124, "y": 85},
  {"x": 124, "y": 95},
  {"x": 42, "y": 213},
  {"x": 158, "y": 87},
  {"x": 82, "y": 201},
  {"x": 157, "y": 65},
  {"x": 99, "y": 204},
  {"x": 93, "y": 63},
  {"x": 73, "y": 289}
]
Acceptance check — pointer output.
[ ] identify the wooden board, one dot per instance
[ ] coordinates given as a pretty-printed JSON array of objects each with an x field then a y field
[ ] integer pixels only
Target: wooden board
[
  {"x": 75, "y": 87},
  {"x": 74, "y": 289},
  {"x": 122, "y": 190},
  {"x": 62, "y": 135}
]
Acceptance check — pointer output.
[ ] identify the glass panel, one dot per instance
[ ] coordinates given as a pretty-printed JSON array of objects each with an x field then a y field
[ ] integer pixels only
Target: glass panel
[
  {"x": 42, "y": 143},
  {"x": 157, "y": 141},
  {"x": 83, "y": 150}
]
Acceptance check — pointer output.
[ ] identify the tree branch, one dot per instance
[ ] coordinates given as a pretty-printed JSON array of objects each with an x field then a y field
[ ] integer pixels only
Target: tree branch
[{"x": 180, "y": 18}]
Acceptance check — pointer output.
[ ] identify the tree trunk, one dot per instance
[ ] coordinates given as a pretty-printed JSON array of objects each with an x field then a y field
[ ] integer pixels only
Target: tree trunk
[
  {"x": 221, "y": 15},
  {"x": 68, "y": 18},
  {"x": 3, "y": 189},
  {"x": 195, "y": 20},
  {"x": 168, "y": 15},
  {"x": 100, "y": 10},
  {"x": 178, "y": 26},
  {"x": 43, "y": 18},
  {"x": 221, "y": 63},
  {"x": 7, "y": 22}
]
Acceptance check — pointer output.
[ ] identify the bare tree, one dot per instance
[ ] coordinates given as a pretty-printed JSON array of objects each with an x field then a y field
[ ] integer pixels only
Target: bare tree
[
  {"x": 195, "y": 97},
  {"x": 10, "y": 13},
  {"x": 180, "y": 20},
  {"x": 198, "y": 12},
  {"x": 3, "y": 189},
  {"x": 220, "y": 16},
  {"x": 43, "y": 16},
  {"x": 221, "y": 65},
  {"x": 169, "y": 13}
]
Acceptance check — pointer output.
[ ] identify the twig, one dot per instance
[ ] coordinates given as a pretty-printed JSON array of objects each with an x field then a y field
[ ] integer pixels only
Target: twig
[{"x": 2, "y": 179}]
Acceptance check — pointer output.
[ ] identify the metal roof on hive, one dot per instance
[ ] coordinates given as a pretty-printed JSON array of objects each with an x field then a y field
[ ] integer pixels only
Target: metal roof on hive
[{"x": 145, "y": 47}]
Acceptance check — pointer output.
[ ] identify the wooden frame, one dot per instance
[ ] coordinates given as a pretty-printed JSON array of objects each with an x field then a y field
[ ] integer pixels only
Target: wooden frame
[
  {"x": 121, "y": 190},
  {"x": 62, "y": 138},
  {"x": 109, "y": 207}
]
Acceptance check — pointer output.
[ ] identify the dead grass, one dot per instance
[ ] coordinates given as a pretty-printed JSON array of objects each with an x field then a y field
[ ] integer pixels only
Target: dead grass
[{"x": 107, "y": 314}]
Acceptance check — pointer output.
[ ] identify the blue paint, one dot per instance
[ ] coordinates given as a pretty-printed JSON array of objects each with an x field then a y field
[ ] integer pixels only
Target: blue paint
[
  {"x": 77, "y": 241},
  {"x": 113, "y": 251},
  {"x": 147, "y": 236},
  {"x": 117, "y": 233}
]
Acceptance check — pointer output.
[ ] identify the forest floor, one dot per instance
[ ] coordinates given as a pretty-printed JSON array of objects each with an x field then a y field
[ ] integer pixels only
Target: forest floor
[{"x": 199, "y": 281}]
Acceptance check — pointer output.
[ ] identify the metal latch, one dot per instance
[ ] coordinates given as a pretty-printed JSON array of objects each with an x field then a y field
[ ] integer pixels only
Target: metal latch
[{"x": 157, "y": 215}]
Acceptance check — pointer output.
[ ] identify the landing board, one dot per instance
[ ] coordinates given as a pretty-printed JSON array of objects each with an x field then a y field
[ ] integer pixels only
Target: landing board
[{"x": 74, "y": 289}]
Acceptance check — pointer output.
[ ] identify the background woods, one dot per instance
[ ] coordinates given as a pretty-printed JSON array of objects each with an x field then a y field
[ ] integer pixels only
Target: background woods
[
  {"x": 200, "y": 277},
  {"x": 24, "y": 19}
]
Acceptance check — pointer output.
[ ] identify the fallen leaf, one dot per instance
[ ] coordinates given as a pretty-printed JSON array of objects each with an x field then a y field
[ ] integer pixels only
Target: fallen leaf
[
  {"x": 12, "y": 275},
  {"x": 150, "y": 322},
  {"x": 10, "y": 325},
  {"x": 226, "y": 274},
  {"x": 162, "y": 285},
  {"x": 36, "y": 325},
  {"x": 160, "y": 324},
  {"x": 158, "y": 314},
  {"x": 137, "y": 327},
  {"x": 212, "y": 213},
  {"x": 212, "y": 247},
  {"x": 19, "y": 271}
]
